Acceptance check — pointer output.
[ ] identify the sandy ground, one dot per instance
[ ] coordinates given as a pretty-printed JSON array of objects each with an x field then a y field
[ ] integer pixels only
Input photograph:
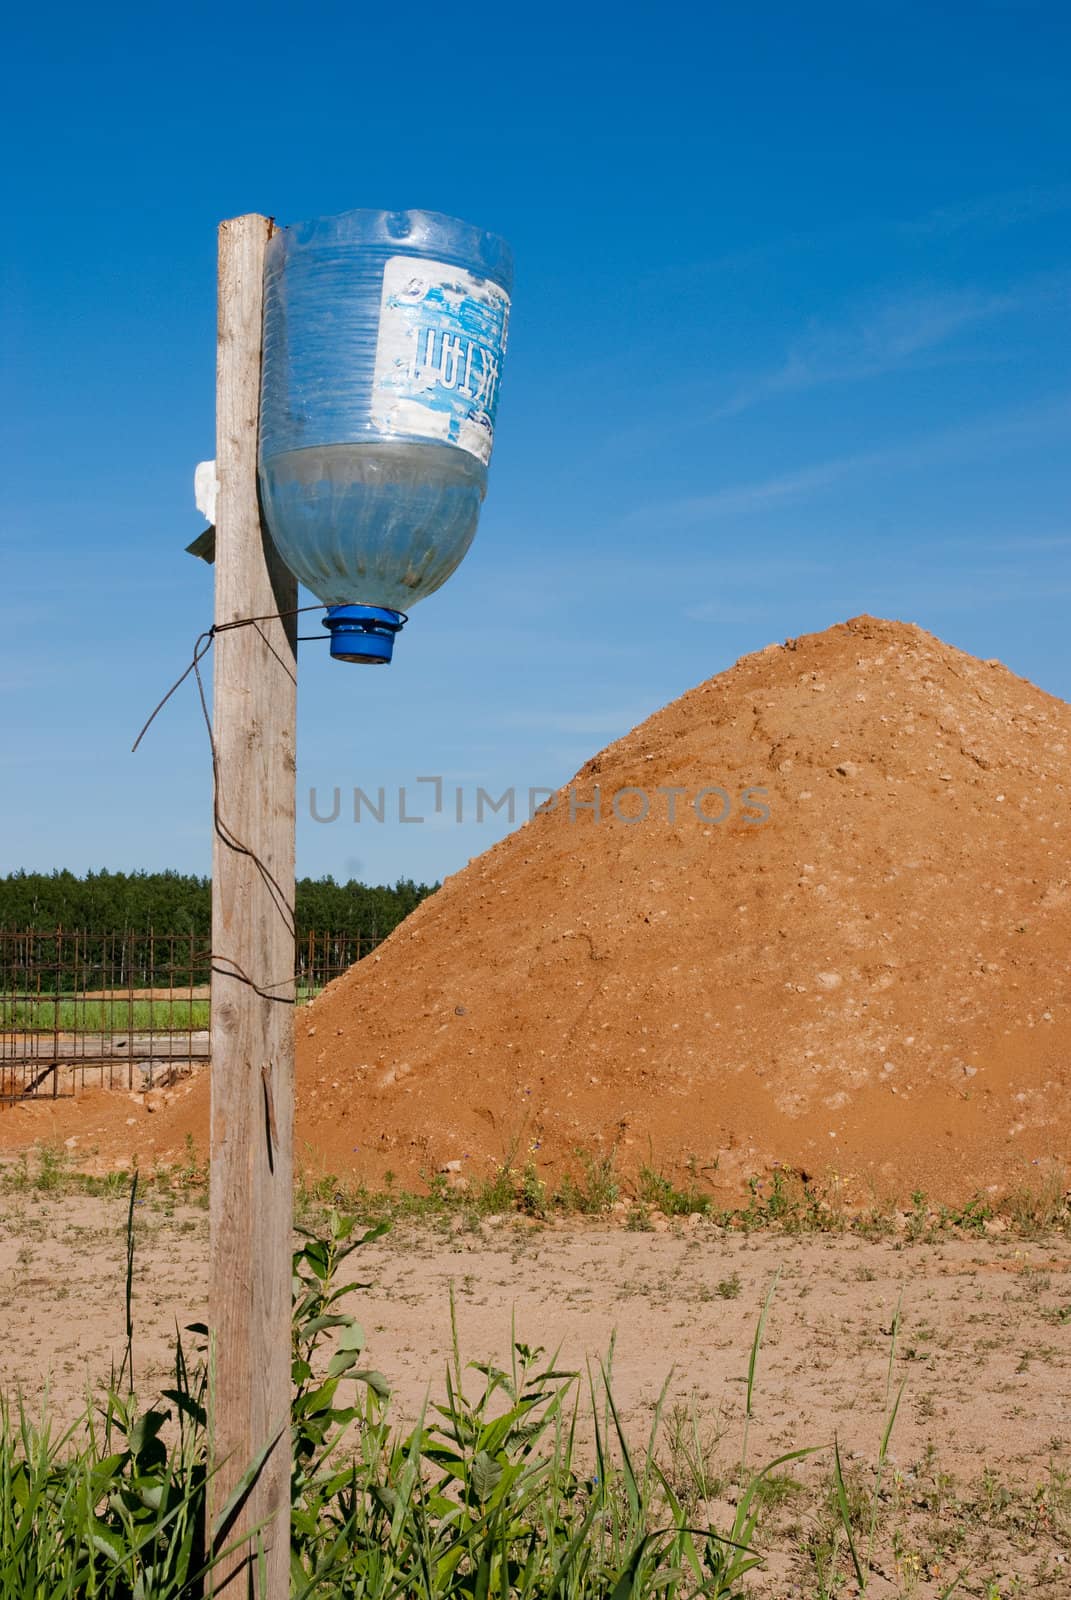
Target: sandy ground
[{"x": 985, "y": 1347}]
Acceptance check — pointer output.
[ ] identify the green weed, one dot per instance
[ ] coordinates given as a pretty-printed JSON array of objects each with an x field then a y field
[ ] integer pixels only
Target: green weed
[{"x": 660, "y": 1194}]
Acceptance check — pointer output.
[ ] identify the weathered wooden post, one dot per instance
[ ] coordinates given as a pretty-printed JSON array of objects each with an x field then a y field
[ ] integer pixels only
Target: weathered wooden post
[{"x": 252, "y": 1072}]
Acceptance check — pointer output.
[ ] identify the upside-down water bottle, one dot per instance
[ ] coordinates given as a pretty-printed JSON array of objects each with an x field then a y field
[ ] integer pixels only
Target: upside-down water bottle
[{"x": 384, "y": 335}]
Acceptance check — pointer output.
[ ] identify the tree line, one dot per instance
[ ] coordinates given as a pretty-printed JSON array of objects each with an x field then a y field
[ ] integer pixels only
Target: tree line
[{"x": 181, "y": 903}]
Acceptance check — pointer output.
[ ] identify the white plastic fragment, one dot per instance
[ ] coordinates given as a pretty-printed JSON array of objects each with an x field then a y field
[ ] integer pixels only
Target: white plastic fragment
[{"x": 205, "y": 489}]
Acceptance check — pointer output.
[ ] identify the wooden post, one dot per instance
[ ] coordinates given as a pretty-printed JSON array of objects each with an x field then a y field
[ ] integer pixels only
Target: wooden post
[{"x": 252, "y": 1071}]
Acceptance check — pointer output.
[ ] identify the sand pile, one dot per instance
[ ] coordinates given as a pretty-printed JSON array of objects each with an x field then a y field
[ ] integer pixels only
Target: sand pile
[{"x": 862, "y": 970}]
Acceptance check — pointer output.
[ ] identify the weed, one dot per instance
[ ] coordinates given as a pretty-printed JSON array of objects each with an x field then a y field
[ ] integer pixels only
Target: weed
[
  {"x": 638, "y": 1219},
  {"x": 1042, "y": 1208},
  {"x": 532, "y": 1194},
  {"x": 657, "y": 1192},
  {"x": 861, "y": 1510},
  {"x": 785, "y": 1202},
  {"x": 594, "y": 1193},
  {"x": 691, "y": 1447}
]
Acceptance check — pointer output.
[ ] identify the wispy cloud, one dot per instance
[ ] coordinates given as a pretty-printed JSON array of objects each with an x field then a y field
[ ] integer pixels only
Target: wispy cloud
[
  {"x": 988, "y": 213},
  {"x": 991, "y": 212},
  {"x": 760, "y": 495},
  {"x": 880, "y": 336},
  {"x": 952, "y": 444}
]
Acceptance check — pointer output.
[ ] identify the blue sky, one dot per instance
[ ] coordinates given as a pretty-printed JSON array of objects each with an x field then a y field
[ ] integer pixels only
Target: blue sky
[{"x": 789, "y": 342}]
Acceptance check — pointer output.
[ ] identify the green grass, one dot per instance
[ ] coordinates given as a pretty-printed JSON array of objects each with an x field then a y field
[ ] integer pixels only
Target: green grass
[
  {"x": 594, "y": 1191},
  {"x": 73, "y": 1014},
  {"x": 658, "y": 1193},
  {"x": 47, "y": 1169},
  {"x": 781, "y": 1203}
]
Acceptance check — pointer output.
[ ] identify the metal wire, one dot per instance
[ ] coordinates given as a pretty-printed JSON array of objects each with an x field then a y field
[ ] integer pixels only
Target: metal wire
[{"x": 275, "y": 890}]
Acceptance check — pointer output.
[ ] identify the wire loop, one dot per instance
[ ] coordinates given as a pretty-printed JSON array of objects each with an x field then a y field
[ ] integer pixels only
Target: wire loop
[{"x": 222, "y": 829}]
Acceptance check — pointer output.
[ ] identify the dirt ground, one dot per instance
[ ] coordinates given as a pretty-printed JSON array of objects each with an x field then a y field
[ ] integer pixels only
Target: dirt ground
[{"x": 981, "y": 1450}]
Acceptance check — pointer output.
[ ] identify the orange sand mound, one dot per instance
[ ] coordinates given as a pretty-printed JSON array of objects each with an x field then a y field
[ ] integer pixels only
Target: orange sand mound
[{"x": 873, "y": 982}]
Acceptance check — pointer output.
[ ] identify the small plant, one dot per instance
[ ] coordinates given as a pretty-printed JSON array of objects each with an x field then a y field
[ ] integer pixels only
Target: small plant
[
  {"x": 52, "y": 1165},
  {"x": 497, "y": 1193},
  {"x": 638, "y": 1218},
  {"x": 918, "y": 1222},
  {"x": 691, "y": 1449},
  {"x": 660, "y": 1194},
  {"x": 859, "y": 1510},
  {"x": 1042, "y": 1207},
  {"x": 192, "y": 1174},
  {"x": 971, "y": 1218},
  {"x": 317, "y": 1421},
  {"x": 789, "y": 1202},
  {"x": 532, "y": 1194},
  {"x": 592, "y": 1195}
]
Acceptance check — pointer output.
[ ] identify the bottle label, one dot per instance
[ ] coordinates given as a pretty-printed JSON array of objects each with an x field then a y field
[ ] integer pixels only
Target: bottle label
[{"x": 442, "y": 337}]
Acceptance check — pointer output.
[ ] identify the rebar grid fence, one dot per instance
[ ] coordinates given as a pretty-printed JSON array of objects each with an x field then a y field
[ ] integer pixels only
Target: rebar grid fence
[{"x": 123, "y": 1010}]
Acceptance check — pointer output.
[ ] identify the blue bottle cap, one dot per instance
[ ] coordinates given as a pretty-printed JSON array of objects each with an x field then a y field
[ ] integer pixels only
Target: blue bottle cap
[{"x": 364, "y": 634}]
